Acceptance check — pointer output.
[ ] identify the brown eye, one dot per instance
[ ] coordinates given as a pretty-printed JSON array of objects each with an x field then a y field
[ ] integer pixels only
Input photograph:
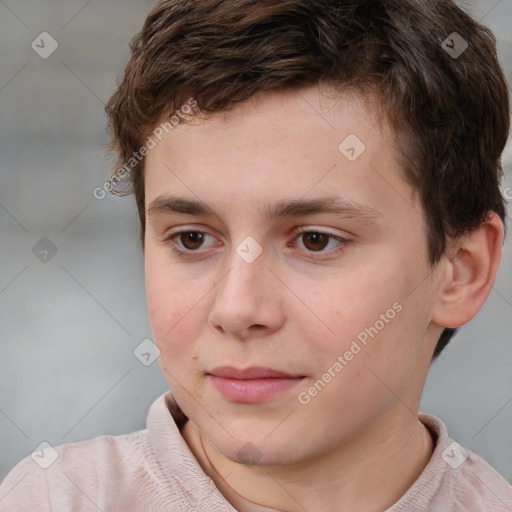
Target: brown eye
[
  {"x": 325, "y": 244},
  {"x": 315, "y": 241},
  {"x": 191, "y": 239}
]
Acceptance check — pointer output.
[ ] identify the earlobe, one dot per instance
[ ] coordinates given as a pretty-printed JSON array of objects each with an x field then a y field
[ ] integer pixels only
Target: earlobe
[{"x": 471, "y": 268}]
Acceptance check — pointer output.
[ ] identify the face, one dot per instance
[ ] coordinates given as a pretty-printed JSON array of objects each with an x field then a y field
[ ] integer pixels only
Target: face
[{"x": 286, "y": 274}]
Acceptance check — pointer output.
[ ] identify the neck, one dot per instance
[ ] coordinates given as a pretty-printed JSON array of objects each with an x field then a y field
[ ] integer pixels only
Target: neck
[{"x": 371, "y": 473}]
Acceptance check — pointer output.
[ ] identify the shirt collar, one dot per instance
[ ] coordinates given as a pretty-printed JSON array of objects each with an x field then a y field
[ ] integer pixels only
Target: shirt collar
[{"x": 182, "y": 469}]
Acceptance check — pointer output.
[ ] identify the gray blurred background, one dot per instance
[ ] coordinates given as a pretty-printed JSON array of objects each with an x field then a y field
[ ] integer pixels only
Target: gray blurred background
[{"x": 72, "y": 298}]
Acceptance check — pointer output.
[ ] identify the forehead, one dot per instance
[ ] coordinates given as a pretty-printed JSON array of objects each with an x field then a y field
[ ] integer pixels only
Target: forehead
[{"x": 277, "y": 146}]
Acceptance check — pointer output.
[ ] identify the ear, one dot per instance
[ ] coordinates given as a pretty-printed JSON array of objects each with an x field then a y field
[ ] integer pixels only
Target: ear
[{"x": 471, "y": 265}]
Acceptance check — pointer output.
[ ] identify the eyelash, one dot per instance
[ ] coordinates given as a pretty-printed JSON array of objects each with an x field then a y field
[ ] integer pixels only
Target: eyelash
[{"x": 187, "y": 253}]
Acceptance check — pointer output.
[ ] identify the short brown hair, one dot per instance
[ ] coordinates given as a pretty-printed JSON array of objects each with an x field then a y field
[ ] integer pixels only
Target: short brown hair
[{"x": 449, "y": 111}]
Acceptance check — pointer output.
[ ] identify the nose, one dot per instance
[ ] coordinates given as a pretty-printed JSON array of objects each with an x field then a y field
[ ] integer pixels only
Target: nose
[{"x": 248, "y": 300}]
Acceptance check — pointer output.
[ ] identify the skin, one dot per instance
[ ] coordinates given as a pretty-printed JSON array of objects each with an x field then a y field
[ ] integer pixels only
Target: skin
[{"x": 300, "y": 304}]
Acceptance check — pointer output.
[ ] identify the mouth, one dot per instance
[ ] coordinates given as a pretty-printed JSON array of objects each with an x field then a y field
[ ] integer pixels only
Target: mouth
[{"x": 251, "y": 385}]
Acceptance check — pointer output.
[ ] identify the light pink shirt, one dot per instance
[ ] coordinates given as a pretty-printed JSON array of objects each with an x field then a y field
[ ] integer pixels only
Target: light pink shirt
[{"x": 153, "y": 470}]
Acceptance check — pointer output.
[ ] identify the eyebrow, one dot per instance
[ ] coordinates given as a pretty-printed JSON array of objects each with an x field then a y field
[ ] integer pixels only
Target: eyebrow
[{"x": 292, "y": 208}]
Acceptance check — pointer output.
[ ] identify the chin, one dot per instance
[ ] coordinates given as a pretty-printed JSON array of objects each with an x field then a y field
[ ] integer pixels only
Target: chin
[{"x": 253, "y": 452}]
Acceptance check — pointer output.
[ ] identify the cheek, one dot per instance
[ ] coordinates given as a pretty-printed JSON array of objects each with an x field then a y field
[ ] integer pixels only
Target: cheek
[
  {"x": 176, "y": 327},
  {"x": 368, "y": 317},
  {"x": 175, "y": 303},
  {"x": 338, "y": 310}
]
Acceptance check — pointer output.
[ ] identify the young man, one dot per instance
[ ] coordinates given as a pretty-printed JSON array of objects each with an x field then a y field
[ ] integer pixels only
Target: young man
[{"x": 318, "y": 189}]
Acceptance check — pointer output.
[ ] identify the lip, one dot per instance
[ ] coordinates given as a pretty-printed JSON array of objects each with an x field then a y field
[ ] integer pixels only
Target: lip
[
  {"x": 253, "y": 372},
  {"x": 251, "y": 385}
]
